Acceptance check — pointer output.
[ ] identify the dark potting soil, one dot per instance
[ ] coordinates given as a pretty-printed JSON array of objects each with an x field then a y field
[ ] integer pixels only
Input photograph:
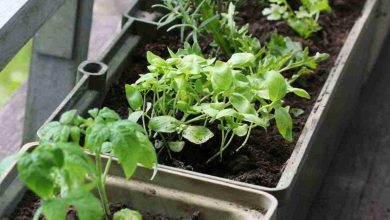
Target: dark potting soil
[
  {"x": 262, "y": 161},
  {"x": 30, "y": 203}
]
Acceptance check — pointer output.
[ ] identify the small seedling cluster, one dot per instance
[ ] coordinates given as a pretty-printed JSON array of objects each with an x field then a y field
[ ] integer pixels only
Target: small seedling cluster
[
  {"x": 304, "y": 20},
  {"x": 184, "y": 95}
]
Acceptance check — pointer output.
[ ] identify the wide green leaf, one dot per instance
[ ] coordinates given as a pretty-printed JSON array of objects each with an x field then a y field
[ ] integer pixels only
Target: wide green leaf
[
  {"x": 131, "y": 146},
  {"x": 35, "y": 169},
  {"x": 300, "y": 92},
  {"x": 148, "y": 156},
  {"x": 96, "y": 135},
  {"x": 221, "y": 76},
  {"x": 134, "y": 97},
  {"x": 241, "y": 130},
  {"x": 242, "y": 104},
  {"x": 127, "y": 214},
  {"x": 277, "y": 85},
  {"x": 87, "y": 207},
  {"x": 67, "y": 117},
  {"x": 284, "y": 123},
  {"x": 164, "y": 124},
  {"x": 7, "y": 162},
  {"x": 242, "y": 59},
  {"x": 176, "y": 146},
  {"x": 126, "y": 148},
  {"x": 197, "y": 134},
  {"x": 108, "y": 115}
]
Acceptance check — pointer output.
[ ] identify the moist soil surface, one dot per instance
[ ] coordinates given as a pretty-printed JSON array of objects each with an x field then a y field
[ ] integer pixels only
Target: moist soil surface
[
  {"x": 30, "y": 203},
  {"x": 262, "y": 161}
]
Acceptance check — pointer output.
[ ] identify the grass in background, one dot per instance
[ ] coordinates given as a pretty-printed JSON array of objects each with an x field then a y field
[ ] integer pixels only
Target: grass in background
[{"x": 15, "y": 74}]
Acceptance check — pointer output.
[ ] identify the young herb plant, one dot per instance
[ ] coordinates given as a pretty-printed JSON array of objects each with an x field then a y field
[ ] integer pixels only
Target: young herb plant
[
  {"x": 200, "y": 17},
  {"x": 304, "y": 21},
  {"x": 63, "y": 175},
  {"x": 183, "y": 96}
]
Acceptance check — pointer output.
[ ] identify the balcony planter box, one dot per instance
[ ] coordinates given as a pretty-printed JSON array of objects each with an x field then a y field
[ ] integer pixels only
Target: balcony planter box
[
  {"x": 320, "y": 137},
  {"x": 174, "y": 199}
]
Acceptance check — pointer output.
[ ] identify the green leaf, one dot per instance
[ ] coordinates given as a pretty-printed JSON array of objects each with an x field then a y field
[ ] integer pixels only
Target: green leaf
[
  {"x": 221, "y": 76},
  {"x": 284, "y": 123},
  {"x": 67, "y": 117},
  {"x": 197, "y": 134},
  {"x": 77, "y": 163},
  {"x": 176, "y": 146},
  {"x": 7, "y": 163},
  {"x": 107, "y": 147},
  {"x": 241, "y": 130},
  {"x": 75, "y": 134},
  {"x": 87, "y": 206},
  {"x": 65, "y": 133},
  {"x": 126, "y": 148},
  {"x": 127, "y": 214},
  {"x": 134, "y": 97},
  {"x": 51, "y": 132},
  {"x": 154, "y": 59},
  {"x": 108, "y": 115},
  {"x": 229, "y": 112},
  {"x": 55, "y": 209},
  {"x": 164, "y": 124},
  {"x": 96, "y": 135},
  {"x": 296, "y": 112},
  {"x": 93, "y": 112},
  {"x": 242, "y": 60},
  {"x": 131, "y": 146},
  {"x": 277, "y": 85},
  {"x": 300, "y": 92},
  {"x": 35, "y": 169},
  {"x": 255, "y": 120},
  {"x": 148, "y": 156},
  {"x": 242, "y": 104},
  {"x": 135, "y": 116}
]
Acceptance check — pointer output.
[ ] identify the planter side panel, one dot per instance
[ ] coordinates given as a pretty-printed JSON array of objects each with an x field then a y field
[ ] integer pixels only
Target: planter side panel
[{"x": 333, "y": 121}]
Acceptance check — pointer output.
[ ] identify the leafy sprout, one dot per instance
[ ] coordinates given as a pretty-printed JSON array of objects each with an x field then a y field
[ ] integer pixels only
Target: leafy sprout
[
  {"x": 63, "y": 175},
  {"x": 197, "y": 18},
  {"x": 304, "y": 21}
]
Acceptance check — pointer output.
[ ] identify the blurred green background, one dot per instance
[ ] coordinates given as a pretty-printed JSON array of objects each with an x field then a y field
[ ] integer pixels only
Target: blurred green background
[{"x": 15, "y": 74}]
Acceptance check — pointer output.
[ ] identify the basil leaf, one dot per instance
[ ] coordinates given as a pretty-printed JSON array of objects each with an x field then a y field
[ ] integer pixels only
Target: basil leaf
[
  {"x": 242, "y": 104},
  {"x": 67, "y": 117},
  {"x": 134, "y": 97},
  {"x": 127, "y": 214},
  {"x": 197, "y": 134},
  {"x": 284, "y": 123},
  {"x": 164, "y": 124}
]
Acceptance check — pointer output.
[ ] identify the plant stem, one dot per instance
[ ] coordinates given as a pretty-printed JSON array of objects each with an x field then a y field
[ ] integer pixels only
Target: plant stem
[
  {"x": 223, "y": 149},
  {"x": 200, "y": 117},
  {"x": 246, "y": 138},
  {"x": 101, "y": 185}
]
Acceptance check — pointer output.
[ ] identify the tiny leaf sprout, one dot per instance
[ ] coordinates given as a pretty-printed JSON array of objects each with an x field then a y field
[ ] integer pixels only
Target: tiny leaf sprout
[
  {"x": 304, "y": 21},
  {"x": 200, "y": 17}
]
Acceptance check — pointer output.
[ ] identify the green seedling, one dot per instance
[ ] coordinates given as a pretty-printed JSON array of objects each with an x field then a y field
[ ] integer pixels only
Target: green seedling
[
  {"x": 62, "y": 173},
  {"x": 201, "y": 17},
  {"x": 304, "y": 21}
]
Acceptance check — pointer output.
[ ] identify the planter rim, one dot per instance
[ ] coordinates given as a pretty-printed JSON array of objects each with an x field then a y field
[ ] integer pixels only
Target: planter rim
[{"x": 269, "y": 214}]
